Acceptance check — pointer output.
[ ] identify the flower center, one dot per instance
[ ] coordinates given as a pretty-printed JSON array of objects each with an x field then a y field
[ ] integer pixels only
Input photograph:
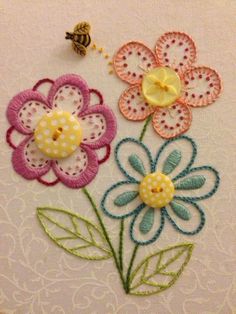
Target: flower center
[
  {"x": 58, "y": 134},
  {"x": 161, "y": 87},
  {"x": 156, "y": 190}
]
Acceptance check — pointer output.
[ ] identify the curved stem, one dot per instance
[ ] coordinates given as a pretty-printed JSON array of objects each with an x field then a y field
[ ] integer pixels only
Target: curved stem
[
  {"x": 120, "y": 252},
  {"x": 89, "y": 197},
  {"x": 127, "y": 282},
  {"x": 145, "y": 128}
]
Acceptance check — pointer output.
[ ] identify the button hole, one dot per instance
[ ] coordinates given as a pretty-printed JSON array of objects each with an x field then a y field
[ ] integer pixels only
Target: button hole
[{"x": 57, "y": 133}]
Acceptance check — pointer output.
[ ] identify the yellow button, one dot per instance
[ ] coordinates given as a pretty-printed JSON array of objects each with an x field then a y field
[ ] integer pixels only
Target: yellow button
[
  {"x": 156, "y": 190},
  {"x": 161, "y": 87},
  {"x": 58, "y": 134}
]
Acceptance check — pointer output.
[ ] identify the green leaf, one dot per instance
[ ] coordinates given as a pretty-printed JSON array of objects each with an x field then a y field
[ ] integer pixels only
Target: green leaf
[
  {"x": 180, "y": 210},
  {"x": 172, "y": 161},
  {"x": 74, "y": 233},
  {"x": 137, "y": 164},
  {"x": 159, "y": 271},
  {"x": 191, "y": 183},
  {"x": 147, "y": 221},
  {"x": 125, "y": 198}
]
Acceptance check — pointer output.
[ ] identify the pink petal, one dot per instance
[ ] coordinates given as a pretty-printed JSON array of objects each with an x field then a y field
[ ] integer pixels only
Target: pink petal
[
  {"x": 103, "y": 154},
  {"x": 28, "y": 161},
  {"x": 98, "y": 126},
  {"x": 69, "y": 93},
  {"x": 176, "y": 50},
  {"x": 132, "y": 61},
  {"x": 79, "y": 169},
  {"x": 173, "y": 121},
  {"x": 133, "y": 106},
  {"x": 202, "y": 86},
  {"x": 25, "y": 110}
]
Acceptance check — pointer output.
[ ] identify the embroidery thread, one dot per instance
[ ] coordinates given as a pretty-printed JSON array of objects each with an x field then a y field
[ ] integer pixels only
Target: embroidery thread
[
  {"x": 151, "y": 191},
  {"x": 79, "y": 235},
  {"x": 170, "y": 262},
  {"x": 164, "y": 84},
  {"x": 62, "y": 132}
]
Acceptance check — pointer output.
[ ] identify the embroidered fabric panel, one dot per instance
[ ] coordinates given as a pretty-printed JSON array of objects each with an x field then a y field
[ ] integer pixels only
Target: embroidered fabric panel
[{"x": 39, "y": 276}]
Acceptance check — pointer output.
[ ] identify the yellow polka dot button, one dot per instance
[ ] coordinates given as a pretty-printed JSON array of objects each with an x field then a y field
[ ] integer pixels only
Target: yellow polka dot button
[
  {"x": 161, "y": 86},
  {"x": 58, "y": 134},
  {"x": 156, "y": 190}
]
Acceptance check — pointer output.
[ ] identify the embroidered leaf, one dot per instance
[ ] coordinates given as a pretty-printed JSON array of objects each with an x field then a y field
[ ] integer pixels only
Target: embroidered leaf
[
  {"x": 74, "y": 233},
  {"x": 147, "y": 221},
  {"x": 137, "y": 164},
  {"x": 125, "y": 198},
  {"x": 159, "y": 271},
  {"x": 180, "y": 210},
  {"x": 191, "y": 183},
  {"x": 172, "y": 161}
]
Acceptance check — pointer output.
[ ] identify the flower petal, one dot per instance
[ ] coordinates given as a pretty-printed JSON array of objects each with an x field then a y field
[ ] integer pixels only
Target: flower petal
[
  {"x": 117, "y": 202},
  {"x": 188, "y": 149},
  {"x": 132, "y": 61},
  {"x": 202, "y": 86},
  {"x": 190, "y": 183},
  {"x": 25, "y": 110},
  {"x": 125, "y": 149},
  {"x": 28, "y": 161},
  {"x": 147, "y": 222},
  {"x": 180, "y": 210},
  {"x": 207, "y": 183},
  {"x": 79, "y": 169},
  {"x": 69, "y": 93},
  {"x": 137, "y": 164},
  {"x": 191, "y": 226},
  {"x": 147, "y": 225},
  {"x": 125, "y": 198},
  {"x": 176, "y": 50},
  {"x": 98, "y": 126},
  {"x": 172, "y": 161},
  {"x": 173, "y": 121},
  {"x": 133, "y": 106}
]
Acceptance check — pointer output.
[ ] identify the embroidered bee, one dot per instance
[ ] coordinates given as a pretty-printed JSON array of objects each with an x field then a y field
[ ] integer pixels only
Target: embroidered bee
[{"x": 80, "y": 38}]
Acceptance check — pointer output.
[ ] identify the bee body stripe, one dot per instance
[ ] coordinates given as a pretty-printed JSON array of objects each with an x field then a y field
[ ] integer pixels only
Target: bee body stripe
[{"x": 84, "y": 40}]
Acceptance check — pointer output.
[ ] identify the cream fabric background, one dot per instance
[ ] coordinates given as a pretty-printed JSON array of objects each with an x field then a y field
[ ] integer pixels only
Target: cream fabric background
[{"x": 35, "y": 275}]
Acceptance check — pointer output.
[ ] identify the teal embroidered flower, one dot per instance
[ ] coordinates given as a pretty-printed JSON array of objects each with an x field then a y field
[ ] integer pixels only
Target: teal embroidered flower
[{"x": 162, "y": 188}]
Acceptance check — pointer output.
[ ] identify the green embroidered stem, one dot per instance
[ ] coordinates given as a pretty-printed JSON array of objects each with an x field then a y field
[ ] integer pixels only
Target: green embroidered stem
[
  {"x": 127, "y": 283},
  {"x": 120, "y": 252},
  {"x": 144, "y": 128},
  {"x": 87, "y": 194}
]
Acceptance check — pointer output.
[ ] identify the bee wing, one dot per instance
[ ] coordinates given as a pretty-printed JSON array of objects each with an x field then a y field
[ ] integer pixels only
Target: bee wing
[
  {"x": 78, "y": 48},
  {"x": 82, "y": 28}
]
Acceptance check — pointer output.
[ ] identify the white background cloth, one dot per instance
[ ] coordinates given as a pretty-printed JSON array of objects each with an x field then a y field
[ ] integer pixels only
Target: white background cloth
[{"x": 35, "y": 275}]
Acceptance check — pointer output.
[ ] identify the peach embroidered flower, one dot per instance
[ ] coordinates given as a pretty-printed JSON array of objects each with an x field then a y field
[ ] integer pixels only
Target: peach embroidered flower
[{"x": 155, "y": 90}]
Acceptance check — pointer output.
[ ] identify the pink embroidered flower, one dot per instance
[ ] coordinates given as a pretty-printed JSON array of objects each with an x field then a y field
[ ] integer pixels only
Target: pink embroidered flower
[
  {"x": 164, "y": 83},
  {"x": 69, "y": 95}
]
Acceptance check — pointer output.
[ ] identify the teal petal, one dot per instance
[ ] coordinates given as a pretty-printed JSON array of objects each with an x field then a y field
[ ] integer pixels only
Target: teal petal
[
  {"x": 180, "y": 210},
  {"x": 125, "y": 198},
  {"x": 137, "y": 164},
  {"x": 131, "y": 146},
  {"x": 191, "y": 183},
  {"x": 190, "y": 152},
  {"x": 147, "y": 222},
  {"x": 172, "y": 161}
]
